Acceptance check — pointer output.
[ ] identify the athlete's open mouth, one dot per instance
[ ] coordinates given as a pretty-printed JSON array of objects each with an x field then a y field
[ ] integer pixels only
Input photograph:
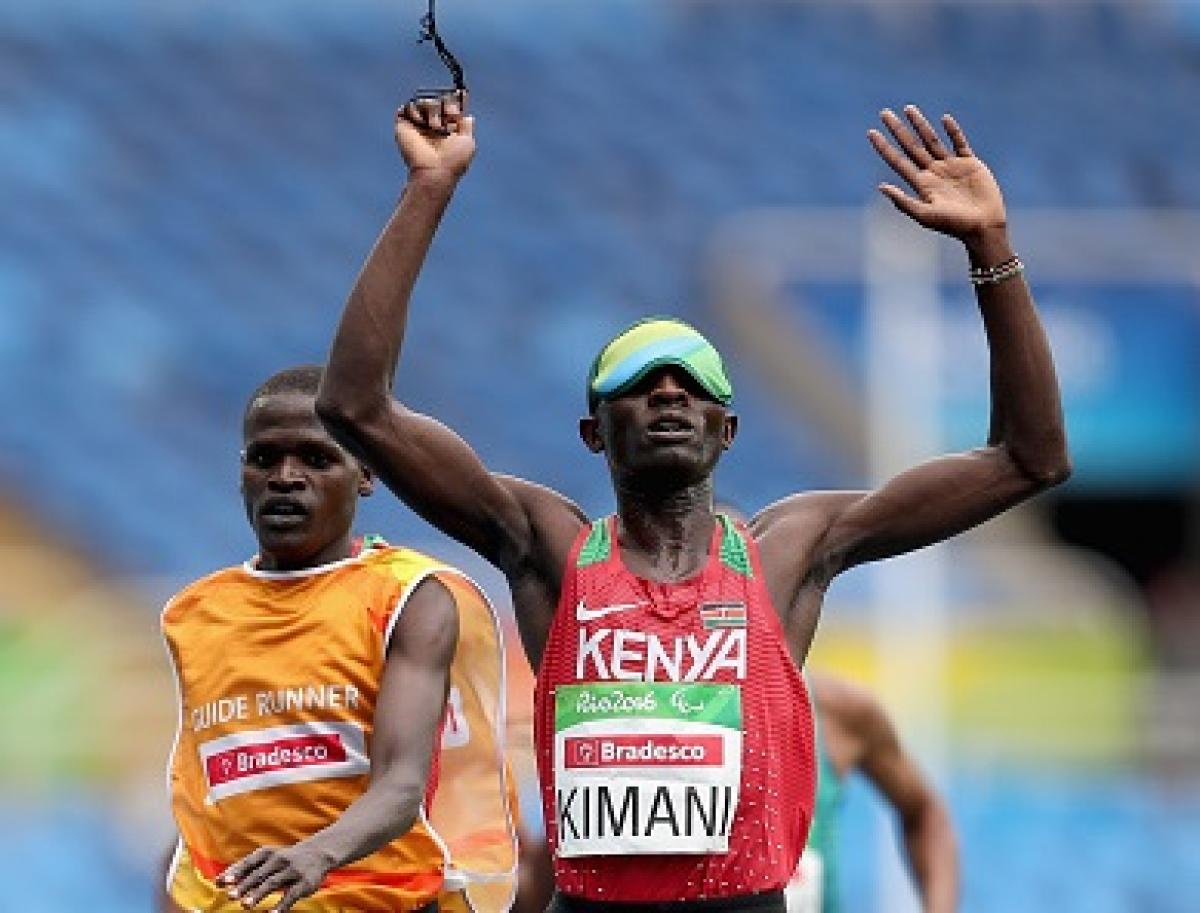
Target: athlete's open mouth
[
  {"x": 669, "y": 428},
  {"x": 670, "y": 423},
  {"x": 282, "y": 511}
]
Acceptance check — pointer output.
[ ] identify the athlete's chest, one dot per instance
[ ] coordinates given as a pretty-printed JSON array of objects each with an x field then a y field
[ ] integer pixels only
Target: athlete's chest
[
  {"x": 624, "y": 628},
  {"x": 647, "y": 712},
  {"x": 248, "y": 636}
]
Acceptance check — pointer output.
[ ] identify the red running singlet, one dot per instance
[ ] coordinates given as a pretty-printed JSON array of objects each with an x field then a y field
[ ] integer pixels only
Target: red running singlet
[{"x": 673, "y": 731}]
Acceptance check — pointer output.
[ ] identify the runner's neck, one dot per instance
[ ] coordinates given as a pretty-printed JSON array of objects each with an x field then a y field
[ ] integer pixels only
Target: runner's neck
[{"x": 665, "y": 545}]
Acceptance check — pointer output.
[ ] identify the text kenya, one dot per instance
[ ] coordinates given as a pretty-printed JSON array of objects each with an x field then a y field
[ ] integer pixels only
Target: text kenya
[{"x": 631, "y": 656}]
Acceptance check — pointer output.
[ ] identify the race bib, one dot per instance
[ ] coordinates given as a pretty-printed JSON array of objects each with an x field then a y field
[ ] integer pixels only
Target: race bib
[
  {"x": 646, "y": 767},
  {"x": 805, "y": 892}
]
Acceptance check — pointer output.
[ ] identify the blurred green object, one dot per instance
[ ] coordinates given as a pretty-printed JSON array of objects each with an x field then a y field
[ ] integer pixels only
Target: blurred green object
[
  {"x": 1042, "y": 690},
  {"x": 50, "y": 686},
  {"x": 82, "y": 697}
]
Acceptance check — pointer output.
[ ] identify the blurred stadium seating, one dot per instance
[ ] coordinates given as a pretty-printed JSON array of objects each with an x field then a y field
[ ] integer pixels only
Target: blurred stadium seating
[
  {"x": 189, "y": 189},
  {"x": 190, "y": 194}
]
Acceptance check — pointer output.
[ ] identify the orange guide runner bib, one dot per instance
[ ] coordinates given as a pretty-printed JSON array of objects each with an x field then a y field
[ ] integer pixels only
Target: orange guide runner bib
[{"x": 278, "y": 675}]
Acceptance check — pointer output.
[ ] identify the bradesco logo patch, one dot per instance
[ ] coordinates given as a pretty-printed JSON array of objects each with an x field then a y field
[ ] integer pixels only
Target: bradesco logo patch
[
  {"x": 646, "y": 767},
  {"x": 281, "y": 754},
  {"x": 298, "y": 753},
  {"x": 651, "y": 750}
]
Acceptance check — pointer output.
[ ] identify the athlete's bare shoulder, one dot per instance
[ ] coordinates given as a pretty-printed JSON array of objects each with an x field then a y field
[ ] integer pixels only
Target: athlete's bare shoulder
[
  {"x": 851, "y": 718},
  {"x": 555, "y": 521},
  {"x": 790, "y": 534},
  {"x": 850, "y": 705},
  {"x": 815, "y": 509}
]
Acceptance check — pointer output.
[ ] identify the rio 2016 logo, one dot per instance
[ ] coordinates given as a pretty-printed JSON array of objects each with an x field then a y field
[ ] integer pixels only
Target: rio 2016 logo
[{"x": 615, "y": 702}]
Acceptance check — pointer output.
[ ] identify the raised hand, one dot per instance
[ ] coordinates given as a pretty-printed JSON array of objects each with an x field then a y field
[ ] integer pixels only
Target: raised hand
[
  {"x": 955, "y": 193},
  {"x": 435, "y": 134},
  {"x": 295, "y": 871}
]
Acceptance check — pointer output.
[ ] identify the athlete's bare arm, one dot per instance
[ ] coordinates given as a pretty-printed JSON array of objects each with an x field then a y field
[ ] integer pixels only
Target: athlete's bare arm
[
  {"x": 808, "y": 538},
  {"x": 412, "y": 700},
  {"x": 162, "y": 898},
  {"x": 526, "y": 530},
  {"x": 859, "y": 736}
]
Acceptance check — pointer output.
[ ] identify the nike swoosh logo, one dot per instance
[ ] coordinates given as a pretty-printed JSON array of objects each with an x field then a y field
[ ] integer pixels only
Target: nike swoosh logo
[{"x": 583, "y": 613}]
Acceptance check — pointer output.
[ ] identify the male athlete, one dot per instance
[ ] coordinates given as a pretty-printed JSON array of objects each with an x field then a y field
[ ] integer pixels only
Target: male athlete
[
  {"x": 340, "y": 722},
  {"x": 855, "y": 734},
  {"x": 673, "y": 729}
]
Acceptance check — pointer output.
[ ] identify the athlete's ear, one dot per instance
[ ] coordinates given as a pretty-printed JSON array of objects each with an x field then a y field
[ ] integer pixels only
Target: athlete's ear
[
  {"x": 729, "y": 432},
  {"x": 366, "y": 481},
  {"x": 589, "y": 433}
]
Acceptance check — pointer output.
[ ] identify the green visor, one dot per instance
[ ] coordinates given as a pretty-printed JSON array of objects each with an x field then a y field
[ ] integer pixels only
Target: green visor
[{"x": 652, "y": 343}]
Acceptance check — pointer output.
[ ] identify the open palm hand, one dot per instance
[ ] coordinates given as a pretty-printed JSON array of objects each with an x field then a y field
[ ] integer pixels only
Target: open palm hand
[{"x": 953, "y": 191}]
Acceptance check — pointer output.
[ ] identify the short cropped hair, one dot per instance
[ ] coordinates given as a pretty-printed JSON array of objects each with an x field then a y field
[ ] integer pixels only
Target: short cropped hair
[{"x": 302, "y": 379}]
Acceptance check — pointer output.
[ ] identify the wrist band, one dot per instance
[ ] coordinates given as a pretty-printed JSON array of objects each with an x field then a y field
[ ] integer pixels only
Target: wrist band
[{"x": 992, "y": 275}]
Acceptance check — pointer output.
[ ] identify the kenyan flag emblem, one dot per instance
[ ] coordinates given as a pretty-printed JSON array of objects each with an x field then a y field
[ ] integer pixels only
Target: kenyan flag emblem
[{"x": 723, "y": 615}]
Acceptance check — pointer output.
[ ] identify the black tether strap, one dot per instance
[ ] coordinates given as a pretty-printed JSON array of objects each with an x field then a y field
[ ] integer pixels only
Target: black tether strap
[{"x": 429, "y": 32}]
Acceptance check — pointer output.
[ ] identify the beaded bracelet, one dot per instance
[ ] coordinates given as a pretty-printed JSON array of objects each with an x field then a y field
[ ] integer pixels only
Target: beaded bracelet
[{"x": 992, "y": 275}]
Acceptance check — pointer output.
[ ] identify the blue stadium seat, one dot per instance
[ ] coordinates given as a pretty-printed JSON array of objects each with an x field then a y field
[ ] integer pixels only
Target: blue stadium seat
[{"x": 195, "y": 192}]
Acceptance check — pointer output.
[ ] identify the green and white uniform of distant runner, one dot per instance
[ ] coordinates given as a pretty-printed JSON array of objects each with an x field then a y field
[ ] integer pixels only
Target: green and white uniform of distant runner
[
  {"x": 814, "y": 889},
  {"x": 646, "y": 767}
]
